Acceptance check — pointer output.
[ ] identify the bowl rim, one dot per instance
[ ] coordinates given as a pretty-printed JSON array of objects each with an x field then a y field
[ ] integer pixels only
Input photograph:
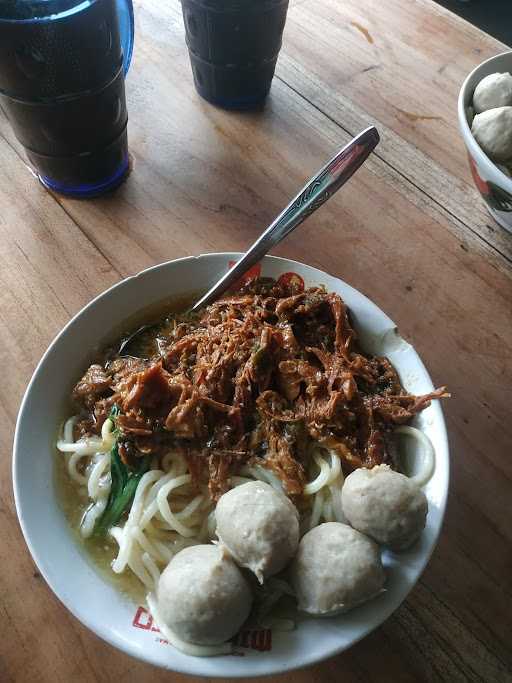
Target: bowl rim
[
  {"x": 469, "y": 139},
  {"x": 105, "y": 632}
]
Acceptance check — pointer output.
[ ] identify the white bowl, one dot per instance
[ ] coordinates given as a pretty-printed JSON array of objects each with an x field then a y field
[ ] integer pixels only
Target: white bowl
[
  {"x": 69, "y": 571},
  {"x": 492, "y": 183}
]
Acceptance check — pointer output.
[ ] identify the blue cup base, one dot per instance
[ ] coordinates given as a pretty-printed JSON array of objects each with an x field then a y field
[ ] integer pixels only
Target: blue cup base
[
  {"x": 84, "y": 175},
  {"x": 87, "y": 190}
]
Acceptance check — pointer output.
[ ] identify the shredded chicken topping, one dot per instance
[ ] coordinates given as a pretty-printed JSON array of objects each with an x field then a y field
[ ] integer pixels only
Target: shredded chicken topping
[{"x": 258, "y": 377}]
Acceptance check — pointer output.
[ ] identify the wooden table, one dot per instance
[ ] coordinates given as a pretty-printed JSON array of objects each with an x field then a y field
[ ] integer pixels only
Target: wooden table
[{"x": 409, "y": 231}]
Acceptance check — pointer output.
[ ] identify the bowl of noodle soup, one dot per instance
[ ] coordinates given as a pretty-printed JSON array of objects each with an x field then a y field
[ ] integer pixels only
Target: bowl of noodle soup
[{"x": 62, "y": 486}]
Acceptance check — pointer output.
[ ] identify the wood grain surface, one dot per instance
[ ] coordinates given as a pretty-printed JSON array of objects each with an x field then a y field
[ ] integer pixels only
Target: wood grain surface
[{"x": 409, "y": 231}]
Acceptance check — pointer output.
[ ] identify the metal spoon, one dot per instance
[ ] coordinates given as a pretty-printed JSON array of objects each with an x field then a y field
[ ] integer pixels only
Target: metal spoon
[{"x": 317, "y": 191}]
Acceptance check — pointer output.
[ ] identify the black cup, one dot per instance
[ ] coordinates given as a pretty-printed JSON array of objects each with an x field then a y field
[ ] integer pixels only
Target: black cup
[
  {"x": 233, "y": 47},
  {"x": 62, "y": 89}
]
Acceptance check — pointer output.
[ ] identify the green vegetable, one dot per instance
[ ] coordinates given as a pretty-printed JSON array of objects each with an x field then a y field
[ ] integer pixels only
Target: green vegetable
[
  {"x": 122, "y": 491},
  {"x": 115, "y": 411},
  {"x": 261, "y": 364}
]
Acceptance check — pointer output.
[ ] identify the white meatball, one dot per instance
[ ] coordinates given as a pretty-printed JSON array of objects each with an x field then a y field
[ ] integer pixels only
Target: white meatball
[
  {"x": 202, "y": 596},
  {"x": 493, "y": 132},
  {"x": 335, "y": 569},
  {"x": 493, "y": 91},
  {"x": 385, "y": 505},
  {"x": 259, "y": 526}
]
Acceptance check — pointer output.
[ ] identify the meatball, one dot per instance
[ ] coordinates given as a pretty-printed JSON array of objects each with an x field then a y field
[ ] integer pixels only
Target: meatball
[
  {"x": 202, "y": 596},
  {"x": 335, "y": 569},
  {"x": 493, "y": 132},
  {"x": 259, "y": 526},
  {"x": 385, "y": 505},
  {"x": 493, "y": 91}
]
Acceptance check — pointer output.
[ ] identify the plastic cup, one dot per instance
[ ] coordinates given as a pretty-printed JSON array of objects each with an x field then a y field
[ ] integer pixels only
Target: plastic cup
[
  {"x": 233, "y": 47},
  {"x": 62, "y": 70}
]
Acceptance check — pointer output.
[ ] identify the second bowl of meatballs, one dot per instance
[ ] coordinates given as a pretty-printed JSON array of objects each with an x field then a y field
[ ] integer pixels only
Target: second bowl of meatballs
[{"x": 485, "y": 121}]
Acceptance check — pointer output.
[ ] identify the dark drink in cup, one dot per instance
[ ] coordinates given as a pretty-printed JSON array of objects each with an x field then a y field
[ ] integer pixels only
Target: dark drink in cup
[
  {"x": 62, "y": 69},
  {"x": 233, "y": 47}
]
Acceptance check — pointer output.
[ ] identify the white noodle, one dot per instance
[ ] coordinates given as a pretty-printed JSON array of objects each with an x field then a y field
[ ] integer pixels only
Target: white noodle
[
  {"x": 150, "y": 502},
  {"x": 68, "y": 428},
  {"x": 149, "y": 546},
  {"x": 317, "y": 509},
  {"x": 190, "y": 508},
  {"x": 86, "y": 445},
  {"x": 126, "y": 542},
  {"x": 166, "y": 551},
  {"x": 426, "y": 456},
  {"x": 123, "y": 537},
  {"x": 137, "y": 507},
  {"x": 322, "y": 478},
  {"x": 133, "y": 555},
  {"x": 165, "y": 509},
  {"x": 92, "y": 514},
  {"x": 117, "y": 533},
  {"x": 327, "y": 512},
  {"x": 152, "y": 568},
  {"x": 94, "y": 483},
  {"x": 335, "y": 484},
  {"x": 337, "y": 509},
  {"x": 335, "y": 467},
  {"x": 107, "y": 434},
  {"x": 73, "y": 461},
  {"x": 83, "y": 446},
  {"x": 98, "y": 489},
  {"x": 261, "y": 474},
  {"x": 137, "y": 566}
]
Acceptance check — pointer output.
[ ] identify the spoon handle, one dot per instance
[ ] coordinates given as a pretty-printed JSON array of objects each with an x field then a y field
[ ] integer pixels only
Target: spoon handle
[{"x": 317, "y": 191}]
